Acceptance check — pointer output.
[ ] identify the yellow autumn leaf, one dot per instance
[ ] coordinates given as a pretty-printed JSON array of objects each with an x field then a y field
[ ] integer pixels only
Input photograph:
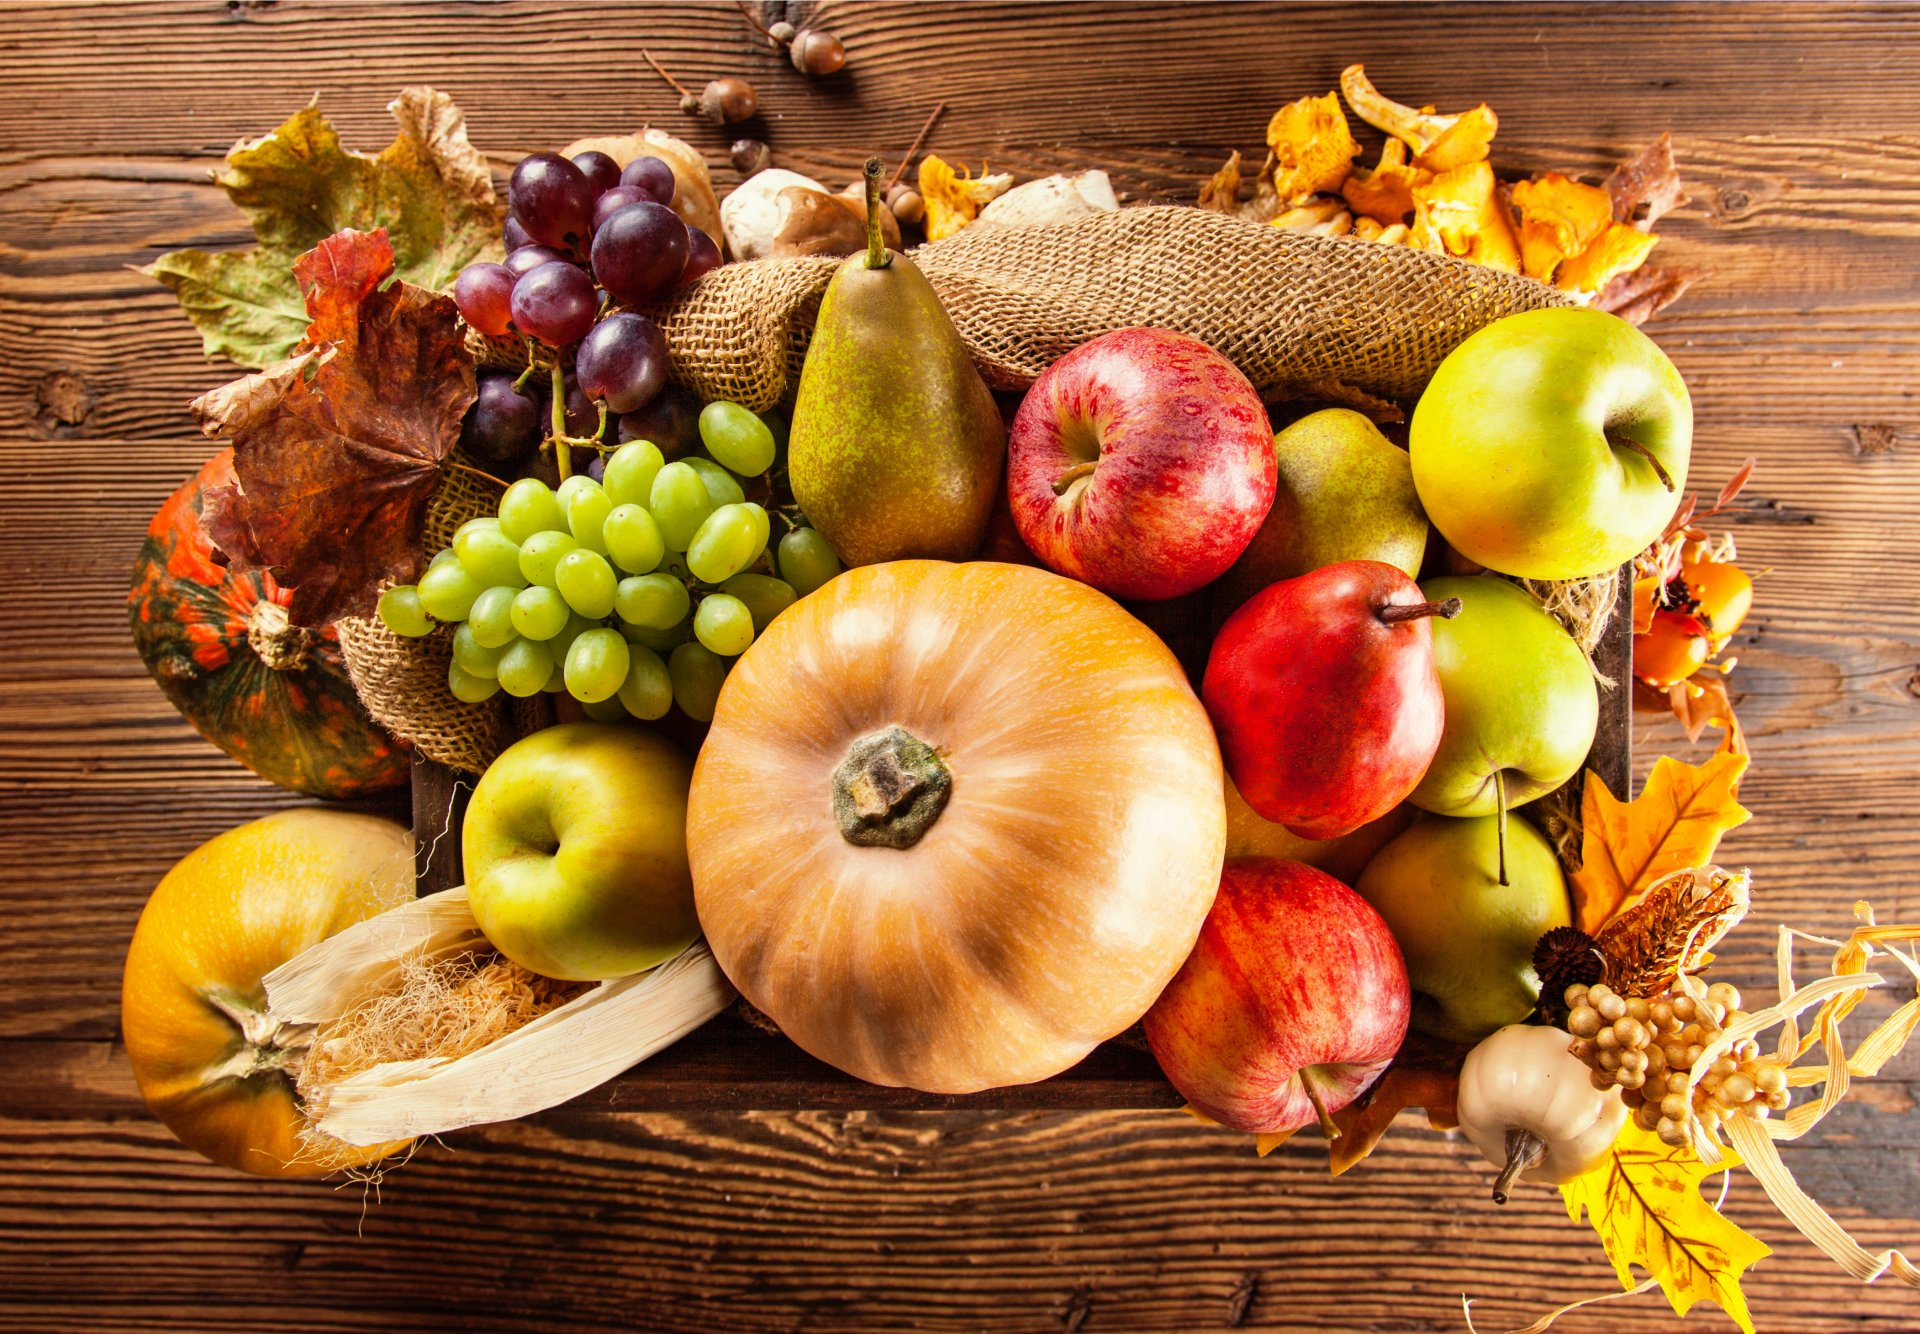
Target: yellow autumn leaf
[
  {"x": 1645, "y": 1203},
  {"x": 1674, "y": 824}
]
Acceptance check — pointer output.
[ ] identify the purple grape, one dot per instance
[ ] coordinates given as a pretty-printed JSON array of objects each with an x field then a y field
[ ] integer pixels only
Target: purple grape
[
  {"x": 616, "y": 199},
  {"x": 582, "y": 414},
  {"x": 551, "y": 198},
  {"x": 555, "y": 303},
  {"x": 622, "y": 362},
  {"x": 484, "y": 293},
  {"x": 601, "y": 171},
  {"x": 597, "y": 466},
  {"x": 651, "y": 175},
  {"x": 671, "y": 421},
  {"x": 516, "y": 235},
  {"x": 528, "y": 258},
  {"x": 703, "y": 256},
  {"x": 640, "y": 251},
  {"x": 504, "y": 424}
]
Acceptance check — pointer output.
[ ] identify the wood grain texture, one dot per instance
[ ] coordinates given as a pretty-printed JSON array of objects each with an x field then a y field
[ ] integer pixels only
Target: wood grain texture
[{"x": 1794, "y": 127}]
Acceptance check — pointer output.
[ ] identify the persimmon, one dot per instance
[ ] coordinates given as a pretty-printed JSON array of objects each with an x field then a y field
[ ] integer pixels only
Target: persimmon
[
  {"x": 1671, "y": 651},
  {"x": 1722, "y": 595}
]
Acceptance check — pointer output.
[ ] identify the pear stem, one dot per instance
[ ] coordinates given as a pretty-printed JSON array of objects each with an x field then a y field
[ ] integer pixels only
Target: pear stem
[
  {"x": 877, "y": 256},
  {"x": 1524, "y": 1152},
  {"x": 1395, "y": 612},
  {"x": 1312, "y": 1090},
  {"x": 1622, "y": 442},
  {"x": 1500, "y": 828},
  {"x": 1072, "y": 475}
]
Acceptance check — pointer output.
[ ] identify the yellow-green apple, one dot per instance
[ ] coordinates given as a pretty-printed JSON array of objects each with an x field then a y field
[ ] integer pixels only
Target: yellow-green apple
[
  {"x": 1292, "y": 1003},
  {"x": 576, "y": 852},
  {"x": 1521, "y": 702},
  {"x": 1140, "y": 463},
  {"x": 1552, "y": 444},
  {"x": 1343, "y": 492},
  {"x": 1467, "y": 938}
]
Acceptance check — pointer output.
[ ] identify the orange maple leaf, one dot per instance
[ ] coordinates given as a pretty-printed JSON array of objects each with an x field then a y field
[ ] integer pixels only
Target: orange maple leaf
[{"x": 1674, "y": 824}]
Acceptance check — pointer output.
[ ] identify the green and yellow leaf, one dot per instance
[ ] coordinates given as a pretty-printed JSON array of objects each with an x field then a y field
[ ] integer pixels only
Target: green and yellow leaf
[
  {"x": 430, "y": 189},
  {"x": 1645, "y": 1203}
]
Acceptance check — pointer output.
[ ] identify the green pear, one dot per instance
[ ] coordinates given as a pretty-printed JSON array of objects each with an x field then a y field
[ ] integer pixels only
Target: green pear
[
  {"x": 1344, "y": 492},
  {"x": 1468, "y": 938},
  {"x": 897, "y": 446},
  {"x": 1521, "y": 700}
]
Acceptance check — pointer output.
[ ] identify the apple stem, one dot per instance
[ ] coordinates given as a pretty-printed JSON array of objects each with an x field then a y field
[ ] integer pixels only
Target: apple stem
[
  {"x": 1500, "y": 828},
  {"x": 1072, "y": 475},
  {"x": 1622, "y": 442},
  {"x": 877, "y": 256},
  {"x": 1524, "y": 1152},
  {"x": 1307, "y": 1085},
  {"x": 1395, "y": 612}
]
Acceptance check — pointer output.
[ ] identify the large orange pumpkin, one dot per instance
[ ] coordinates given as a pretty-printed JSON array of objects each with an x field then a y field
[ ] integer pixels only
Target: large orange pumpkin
[
  {"x": 208, "y": 1060},
  {"x": 955, "y": 825}
]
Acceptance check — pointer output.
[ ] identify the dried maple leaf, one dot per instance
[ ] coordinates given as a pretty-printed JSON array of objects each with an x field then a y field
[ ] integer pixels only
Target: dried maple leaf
[
  {"x": 1460, "y": 213},
  {"x": 1312, "y": 147},
  {"x": 338, "y": 449},
  {"x": 1439, "y": 143},
  {"x": 1385, "y": 194},
  {"x": 1648, "y": 178},
  {"x": 1675, "y": 823},
  {"x": 1617, "y": 250},
  {"x": 1559, "y": 218},
  {"x": 429, "y": 188},
  {"x": 1637, "y": 295}
]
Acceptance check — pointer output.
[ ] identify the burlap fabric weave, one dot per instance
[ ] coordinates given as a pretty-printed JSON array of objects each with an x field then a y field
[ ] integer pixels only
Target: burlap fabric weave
[{"x": 1302, "y": 316}]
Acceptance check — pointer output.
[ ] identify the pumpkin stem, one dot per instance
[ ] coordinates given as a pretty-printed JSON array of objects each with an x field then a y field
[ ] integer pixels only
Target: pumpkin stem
[
  {"x": 1524, "y": 1152},
  {"x": 889, "y": 790},
  {"x": 266, "y": 1044},
  {"x": 281, "y": 646}
]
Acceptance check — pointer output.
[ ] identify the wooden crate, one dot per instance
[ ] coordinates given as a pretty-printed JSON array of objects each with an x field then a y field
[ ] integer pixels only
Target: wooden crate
[{"x": 730, "y": 1064}]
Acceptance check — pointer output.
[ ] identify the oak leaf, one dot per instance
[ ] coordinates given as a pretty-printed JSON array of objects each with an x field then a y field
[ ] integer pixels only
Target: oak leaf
[
  {"x": 1675, "y": 823},
  {"x": 1644, "y": 1201},
  {"x": 1637, "y": 295},
  {"x": 430, "y": 189},
  {"x": 338, "y": 448},
  {"x": 1649, "y": 178}
]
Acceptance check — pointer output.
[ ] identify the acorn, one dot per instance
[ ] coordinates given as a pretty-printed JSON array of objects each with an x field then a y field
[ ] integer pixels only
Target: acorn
[
  {"x": 749, "y": 156},
  {"x": 816, "y": 53},
  {"x": 725, "y": 101},
  {"x": 907, "y": 206}
]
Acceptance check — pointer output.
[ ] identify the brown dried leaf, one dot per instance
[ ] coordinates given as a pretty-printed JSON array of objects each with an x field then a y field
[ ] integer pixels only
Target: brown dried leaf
[
  {"x": 1648, "y": 178},
  {"x": 1637, "y": 295},
  {"x": 1671, "y": 928},
  {"x": 1221, "y": 193},
  {"x": 338, "y": 450}
]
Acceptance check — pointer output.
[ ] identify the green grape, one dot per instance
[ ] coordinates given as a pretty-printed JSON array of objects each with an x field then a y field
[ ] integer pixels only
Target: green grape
[
  {"x": 651, "y": 601},
  {"x": 723, "y": 488},
  {"x": 765, "y": 596},
  {"x": 490, "y": 556},
  {"x": 475, "y": 658},
  {"x": 633, "y": 539},
  {"x": 525, "y": 668},
  {"x": 597, "y": 664},
  {"x": 806, "y": 561},
  {"x": 441, "y": 557},
  {"x": 587, "y": 511},
  {"x": 539, "y": 612},
  {"x": 628, "y": 479},
  {"x": 576, "y": 626},
  {"x": 697, "y": 675},
  {"x": 586, "y": 581},
  {"x": 400, "y": 611},
  {"x": 609, "y": 710},
  {"x": 680, "y": 504},
  {"x": 556, "y": 683},
  {"x": 447, "y": 591},
  {"x": 647, "y": 693},
  {"x": 723, "y": 623},
  {"x": 727, "y": 543},
  {"x": 739, "y": 440},
  {"x": 540, "y": 553},
  {"x": 660, "y": 641},
  {"x": 572, "y": 487},
  {"x": 468, "y": 688},
  {"x": 480, "y": 521},
  {"x": 491, "y": 617},
  {"x": 529, "y": 507}
]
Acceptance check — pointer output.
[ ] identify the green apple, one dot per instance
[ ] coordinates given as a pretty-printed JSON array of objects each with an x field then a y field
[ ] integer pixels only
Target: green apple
[
  {"x": 1343, "y": 492},
  {"x": 1521, "y": 704},
  {"x": 1552, "y": 444},
  {"x": 576, "y": 852},
  {"x": 1467, "y": 938}
]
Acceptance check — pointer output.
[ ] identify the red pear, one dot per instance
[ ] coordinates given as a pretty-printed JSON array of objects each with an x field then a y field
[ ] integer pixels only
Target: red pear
[{"x": 1324, "y": 695}]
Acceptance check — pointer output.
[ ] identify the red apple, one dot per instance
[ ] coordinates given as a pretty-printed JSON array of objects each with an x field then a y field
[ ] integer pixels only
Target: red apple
[
  {"x": 1293, "y": 1001},
  {"x": 1141, "y": 463}
]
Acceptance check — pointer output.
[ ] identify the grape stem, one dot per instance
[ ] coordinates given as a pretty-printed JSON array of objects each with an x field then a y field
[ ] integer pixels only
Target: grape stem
[
  {"x": 562, "y": 451},
  {"x": 659, "y": 69},
  {"x": 918, "y": 139}
]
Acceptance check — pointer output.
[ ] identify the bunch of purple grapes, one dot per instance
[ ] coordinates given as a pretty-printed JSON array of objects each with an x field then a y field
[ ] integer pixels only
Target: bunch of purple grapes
[{"x": 583, "y": 236}]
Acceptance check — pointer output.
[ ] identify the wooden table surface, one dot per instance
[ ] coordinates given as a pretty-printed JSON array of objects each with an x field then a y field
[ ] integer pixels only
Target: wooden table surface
[{"x": 1795, "y": 131}]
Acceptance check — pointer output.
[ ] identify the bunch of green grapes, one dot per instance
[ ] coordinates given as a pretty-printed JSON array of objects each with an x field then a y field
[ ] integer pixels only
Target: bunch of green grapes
[{"x": 632, "y": 593}]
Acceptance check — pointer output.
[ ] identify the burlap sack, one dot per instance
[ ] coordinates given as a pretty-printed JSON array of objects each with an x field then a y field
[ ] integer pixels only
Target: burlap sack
[{"x": 1302, "y": 316}]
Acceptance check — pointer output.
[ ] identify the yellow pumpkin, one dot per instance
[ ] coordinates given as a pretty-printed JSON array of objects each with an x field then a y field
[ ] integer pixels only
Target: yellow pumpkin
[
  {"x": 208, "y": 1060},
  {"x": 955, "y": 825}
]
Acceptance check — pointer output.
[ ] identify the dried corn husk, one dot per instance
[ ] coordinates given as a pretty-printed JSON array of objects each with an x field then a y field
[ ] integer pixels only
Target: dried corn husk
[{"x": 559, "y": 1055}]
